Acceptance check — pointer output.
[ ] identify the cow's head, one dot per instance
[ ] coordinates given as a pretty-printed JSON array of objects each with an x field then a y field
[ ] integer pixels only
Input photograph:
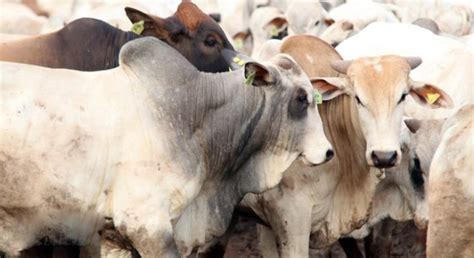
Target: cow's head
[
  {"x": 193, "y": 33},
  {"x": 379, "y": 86},
  {"x": 298, "y": 130},
  {"x": 308, "y": 18},
  {"x": 423, "y": 140},
  {"x": 267, "y": 23}
]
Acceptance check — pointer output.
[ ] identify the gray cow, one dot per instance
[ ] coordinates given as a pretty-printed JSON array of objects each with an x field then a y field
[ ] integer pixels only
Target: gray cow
[{"x": 154, "y": 144}]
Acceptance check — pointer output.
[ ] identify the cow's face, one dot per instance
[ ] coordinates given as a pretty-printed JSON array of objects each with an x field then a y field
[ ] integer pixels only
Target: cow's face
[
  {"x": 308, "y": 18},
  {"x": 267, "y": 23},
  {"x": 194, "y": 34},
  {"x": 379, "y": 86},
  {"x": 298, "y": 131},
  {"x": 422, "y": 141}
]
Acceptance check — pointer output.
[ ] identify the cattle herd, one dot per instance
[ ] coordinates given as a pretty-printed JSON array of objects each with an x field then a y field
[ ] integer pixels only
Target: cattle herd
[{"x": 139, "y": 128}]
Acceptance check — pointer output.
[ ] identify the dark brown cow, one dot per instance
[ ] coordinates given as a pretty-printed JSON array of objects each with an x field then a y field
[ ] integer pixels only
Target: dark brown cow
[{"x": 89, "y": 45}]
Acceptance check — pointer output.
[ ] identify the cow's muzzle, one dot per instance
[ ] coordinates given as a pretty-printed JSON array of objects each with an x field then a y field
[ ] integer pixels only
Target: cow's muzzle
[{"x": 234, "y": 59}]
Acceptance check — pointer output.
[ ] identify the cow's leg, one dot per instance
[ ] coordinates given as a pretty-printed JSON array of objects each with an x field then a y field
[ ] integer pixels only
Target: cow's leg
[
  {"x": 292, "y": 227},
  {"x": 267, "y": 242},
  {"x": 146, "y": 224},
  {"x": 17, "y": 231}
]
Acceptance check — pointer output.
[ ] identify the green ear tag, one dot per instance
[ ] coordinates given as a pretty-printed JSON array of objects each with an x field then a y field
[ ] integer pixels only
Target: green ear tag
[
  {"x": 239, "y": 44},
  {"x": 274, "y": 32},
  {"x": 249, "y": 79},
  {"x": 138, "y": 27},
  {"x": 318, "y": 98}
]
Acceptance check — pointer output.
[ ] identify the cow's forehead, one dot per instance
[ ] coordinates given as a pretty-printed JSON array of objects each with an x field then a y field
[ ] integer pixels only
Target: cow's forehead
[
  {"x": 191, "y": 16},
  {"x": 288, "y": 68},
  {"x": 379, "y": 75}
]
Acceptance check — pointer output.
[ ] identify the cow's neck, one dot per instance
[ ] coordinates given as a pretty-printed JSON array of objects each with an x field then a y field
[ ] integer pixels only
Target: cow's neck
[
  {"x": 231, "y": 122},
  {"x": 354, "y": 182},
  {"x": 341, "y": 125},
  {"x": 229, "y": 136}
]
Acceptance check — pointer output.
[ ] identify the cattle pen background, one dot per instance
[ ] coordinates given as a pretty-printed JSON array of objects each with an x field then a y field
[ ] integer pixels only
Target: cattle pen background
[{"x": 237, "y": 128}]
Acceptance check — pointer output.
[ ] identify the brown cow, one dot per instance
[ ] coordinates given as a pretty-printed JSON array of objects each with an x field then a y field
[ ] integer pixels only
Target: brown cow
[{"x": 89, "y": 45}]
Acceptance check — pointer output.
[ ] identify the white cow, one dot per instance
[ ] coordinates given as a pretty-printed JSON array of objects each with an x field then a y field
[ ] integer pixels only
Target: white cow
[
  {"x": 451, "y": 189},
  {"x": 146, "y": 144},
  {"x": 267, "y": 23},
  {"x": 307, "y": 17},
  {"x": 452, "y": 16},
  {"x": 19, "y": 19},
  {"x": 352, "y": 17}
]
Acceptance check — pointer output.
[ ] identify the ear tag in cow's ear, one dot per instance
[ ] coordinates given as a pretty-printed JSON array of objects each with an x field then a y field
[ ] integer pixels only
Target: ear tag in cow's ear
[
  {"x": 138, "y": 27},
  {"x": 432, "y": 98},
  {"x": 318, "y": 98},
  {"x": 274, "y": 31},
  {"x": 238, "y": 61},
  {"x": 239, "y": 43},
  {"x": 249, "y": 79}
]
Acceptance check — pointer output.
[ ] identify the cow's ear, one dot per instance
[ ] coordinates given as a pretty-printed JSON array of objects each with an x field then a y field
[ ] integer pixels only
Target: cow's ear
[
  {"x": 331, "y": 87},
  {"x": 257, "y": 75},
  {"x": 216, "y": 17},
  {"x": 429, "y": 95},
  {"x": 152, "y": 25},
  {"x": 242, "y": 39},
  {"x": 276, "y": 26},
  {"x": 328, "y": 21},
  {"x": 412, "y": 124}
]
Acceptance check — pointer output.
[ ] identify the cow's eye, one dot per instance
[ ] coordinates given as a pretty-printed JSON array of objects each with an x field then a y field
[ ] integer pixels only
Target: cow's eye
[
  {"x": 402, "y": 98},
  {"x": 416, "y": 173},
  {"x": 358, "y": 101},
  {"x": 303, "y": 99},
  {"x": 210, "y": 41},
  {"x": 317, "y": 23}
]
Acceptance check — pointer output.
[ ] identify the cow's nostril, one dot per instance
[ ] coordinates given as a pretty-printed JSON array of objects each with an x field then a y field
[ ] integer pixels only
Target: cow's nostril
[
  {"x": 393, "y": 159},
  {"x": 329, "y": 154},
  {"x": 384, "y": 159}
]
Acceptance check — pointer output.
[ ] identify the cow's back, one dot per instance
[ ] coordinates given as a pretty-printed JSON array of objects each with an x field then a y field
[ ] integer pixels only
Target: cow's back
[
  {"x": 451, "y": 190},
  {"x": 85, "y": 44}
]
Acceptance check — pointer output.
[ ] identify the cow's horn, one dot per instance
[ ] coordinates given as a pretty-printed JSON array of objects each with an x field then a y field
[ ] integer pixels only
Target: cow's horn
[
  {"x": 341, "y": 66},
  {"x": 413, "y": 61}
]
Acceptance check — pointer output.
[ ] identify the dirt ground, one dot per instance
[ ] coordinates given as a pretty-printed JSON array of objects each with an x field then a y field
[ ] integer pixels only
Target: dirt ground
[
  {"x": 402, "y": 240},
  {"x": 405, "y": 241}
]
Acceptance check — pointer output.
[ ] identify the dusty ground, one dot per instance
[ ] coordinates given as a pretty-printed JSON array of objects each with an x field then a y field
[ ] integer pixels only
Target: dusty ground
[{"x": 404, "y": 241}]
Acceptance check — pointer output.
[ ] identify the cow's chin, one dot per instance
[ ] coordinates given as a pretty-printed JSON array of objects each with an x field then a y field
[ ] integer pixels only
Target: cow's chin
[{"x": 310, "y": 163}]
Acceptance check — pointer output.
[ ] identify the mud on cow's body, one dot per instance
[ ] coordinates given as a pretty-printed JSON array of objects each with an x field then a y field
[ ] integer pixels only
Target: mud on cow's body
[{"x": 148, "y": 144}]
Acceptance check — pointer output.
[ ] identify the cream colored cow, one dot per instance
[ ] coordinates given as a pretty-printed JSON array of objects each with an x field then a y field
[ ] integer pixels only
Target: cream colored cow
[{"x": 451, "y": 189}]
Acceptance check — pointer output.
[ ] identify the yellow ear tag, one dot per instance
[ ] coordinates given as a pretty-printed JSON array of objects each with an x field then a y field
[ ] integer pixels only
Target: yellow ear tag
[
  {"x": 274, "y": 32},
  {"x": 138, "y": 27},
  {"x": 432, "y": 97},
  {"x": 239, "y": 44}
]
